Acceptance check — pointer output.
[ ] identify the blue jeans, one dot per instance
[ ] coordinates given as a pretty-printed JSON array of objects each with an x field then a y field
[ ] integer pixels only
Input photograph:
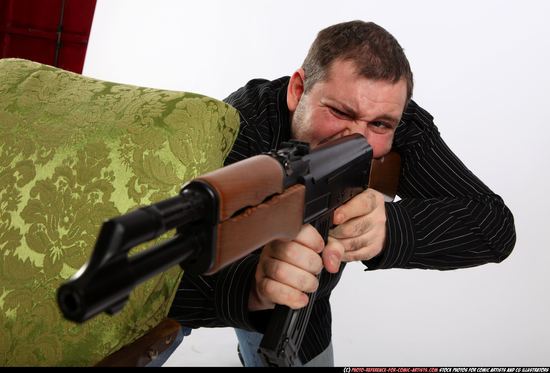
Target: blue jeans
[
  {"x": 161, "y": 359},
  {"x": 249, "y": 342}
]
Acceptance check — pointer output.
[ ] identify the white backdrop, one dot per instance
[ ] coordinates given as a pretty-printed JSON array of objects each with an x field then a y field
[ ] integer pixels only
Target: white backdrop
[{"x": 481, "y": 68}]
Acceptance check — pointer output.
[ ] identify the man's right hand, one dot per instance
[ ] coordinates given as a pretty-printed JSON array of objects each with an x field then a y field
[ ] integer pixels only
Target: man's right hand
[{"x": 286, "y": 270}]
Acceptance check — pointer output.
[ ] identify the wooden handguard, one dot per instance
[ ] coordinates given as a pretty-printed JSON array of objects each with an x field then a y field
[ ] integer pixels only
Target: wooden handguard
[
  {"x": 278, "y": 218},
  {"x": 245, "y": 184},
  {"x": 269, "y": 213}
]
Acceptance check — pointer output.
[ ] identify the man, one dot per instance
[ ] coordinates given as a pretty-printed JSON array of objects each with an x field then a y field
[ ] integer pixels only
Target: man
[{"x": 355, "y": 79}]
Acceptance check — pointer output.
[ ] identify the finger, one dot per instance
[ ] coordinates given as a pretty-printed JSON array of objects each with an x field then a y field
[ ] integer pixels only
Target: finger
[
  {"x": 282, "y": 294},
  {"x": 351, "y": 228},
  {"x": 364, "y": 253},
  {"x": 364, "y": 247},
  {"x": 297, "y": 255},
  {"x": 310, "y": 237},
  {"x": 290, "y": 275},
  {"x": 359, "y": 205},
  {"x": 351, "y": 244},
  {"x": 332, "y": 255}
]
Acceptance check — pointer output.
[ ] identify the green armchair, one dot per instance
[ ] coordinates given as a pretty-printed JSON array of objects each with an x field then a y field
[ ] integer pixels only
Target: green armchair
[{"x": 75, "y": 151}]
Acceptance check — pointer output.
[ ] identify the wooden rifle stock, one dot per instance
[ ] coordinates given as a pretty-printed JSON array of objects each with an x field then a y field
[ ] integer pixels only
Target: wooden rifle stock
[{"x": 384, "y": 174}]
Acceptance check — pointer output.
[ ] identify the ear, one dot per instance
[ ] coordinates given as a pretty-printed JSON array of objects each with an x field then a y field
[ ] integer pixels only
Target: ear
[{"x": 295, "y": 89}]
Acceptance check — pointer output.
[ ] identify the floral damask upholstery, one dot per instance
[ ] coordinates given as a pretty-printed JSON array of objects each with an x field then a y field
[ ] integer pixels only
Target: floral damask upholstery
[{"x": 75, "y": 151}]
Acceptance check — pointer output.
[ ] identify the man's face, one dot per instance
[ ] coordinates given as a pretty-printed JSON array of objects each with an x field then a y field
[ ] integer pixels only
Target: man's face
[{"x": 346, "y": 103}]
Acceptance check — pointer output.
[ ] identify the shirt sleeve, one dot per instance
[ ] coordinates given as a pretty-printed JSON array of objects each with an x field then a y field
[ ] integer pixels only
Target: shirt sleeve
[
  {"x": 217, "y": 300},
  {"x": 447, "y": 217}
]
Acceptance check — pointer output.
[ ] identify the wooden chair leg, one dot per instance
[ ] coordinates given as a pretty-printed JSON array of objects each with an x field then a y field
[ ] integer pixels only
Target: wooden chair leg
[{"x": 145, "y": 349}]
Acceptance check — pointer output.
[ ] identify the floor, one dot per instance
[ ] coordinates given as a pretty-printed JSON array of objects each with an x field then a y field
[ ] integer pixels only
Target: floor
[{"x": 216, "y": 347}]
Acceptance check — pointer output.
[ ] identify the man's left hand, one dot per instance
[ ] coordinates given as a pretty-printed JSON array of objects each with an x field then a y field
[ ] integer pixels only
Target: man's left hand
[{"x": 361, "y": 226}]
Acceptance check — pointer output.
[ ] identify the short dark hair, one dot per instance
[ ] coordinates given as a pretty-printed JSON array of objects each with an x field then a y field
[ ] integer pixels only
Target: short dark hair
[{"x": 376, "y": 53}]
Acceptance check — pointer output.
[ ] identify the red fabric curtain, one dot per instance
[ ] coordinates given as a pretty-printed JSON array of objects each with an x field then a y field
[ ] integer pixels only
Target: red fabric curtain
[{"x": 53, "y": 32}]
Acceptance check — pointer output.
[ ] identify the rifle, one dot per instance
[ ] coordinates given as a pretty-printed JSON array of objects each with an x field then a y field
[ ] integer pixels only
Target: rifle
[{"x": 223, "y": 216}]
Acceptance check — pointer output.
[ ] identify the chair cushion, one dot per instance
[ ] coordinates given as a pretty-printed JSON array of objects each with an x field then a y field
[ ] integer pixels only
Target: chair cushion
[{"x": 75, "y": 151}]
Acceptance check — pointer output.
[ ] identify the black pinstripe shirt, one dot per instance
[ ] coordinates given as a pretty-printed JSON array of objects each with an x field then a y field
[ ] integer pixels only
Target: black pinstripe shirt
[{"x": 446, "y": 218}]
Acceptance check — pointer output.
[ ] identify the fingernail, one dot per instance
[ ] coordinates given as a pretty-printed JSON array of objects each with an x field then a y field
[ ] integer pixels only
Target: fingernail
[{"x": 338, "y": 218}]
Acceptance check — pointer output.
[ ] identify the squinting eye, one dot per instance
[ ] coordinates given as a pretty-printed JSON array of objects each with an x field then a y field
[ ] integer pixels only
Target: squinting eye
[
  {"x": 339, "y": 113},
  {"x": 380, "y": 127}
]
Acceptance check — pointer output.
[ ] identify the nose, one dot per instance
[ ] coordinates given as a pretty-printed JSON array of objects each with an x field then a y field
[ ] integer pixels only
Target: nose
[{"x": 356, "y": 127}]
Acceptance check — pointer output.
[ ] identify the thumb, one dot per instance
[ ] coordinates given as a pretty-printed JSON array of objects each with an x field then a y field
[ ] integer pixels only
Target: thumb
[{"x": 332, "y": 255}]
